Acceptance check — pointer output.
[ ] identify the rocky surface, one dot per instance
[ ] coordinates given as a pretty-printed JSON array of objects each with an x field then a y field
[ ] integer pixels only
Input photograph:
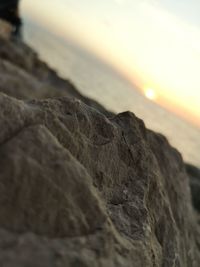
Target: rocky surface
[
  {"x": 80, "y": 186},
  {"x": 194, "y": 175},
  {"x": 5, "y": 29}
]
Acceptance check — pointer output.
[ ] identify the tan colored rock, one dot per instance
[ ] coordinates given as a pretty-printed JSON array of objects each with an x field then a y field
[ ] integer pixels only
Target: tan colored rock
[
  {"x": 5, "y": 29},
  {"x": 78, "y": 188}
]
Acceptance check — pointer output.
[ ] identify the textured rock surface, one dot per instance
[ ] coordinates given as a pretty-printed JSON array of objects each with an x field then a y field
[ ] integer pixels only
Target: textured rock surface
[
  {"x": 5, "y": 29},
  {"x": 194, "y": 174},
  {"x": 78, "y": 188}
]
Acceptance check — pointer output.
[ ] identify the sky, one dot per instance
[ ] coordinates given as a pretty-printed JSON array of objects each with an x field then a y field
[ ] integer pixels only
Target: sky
[{"x": 154, "y": 43}]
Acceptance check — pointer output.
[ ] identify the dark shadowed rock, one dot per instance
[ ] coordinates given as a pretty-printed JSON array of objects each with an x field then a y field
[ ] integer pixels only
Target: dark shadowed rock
[
  {"x": 78, "y": 188},
  {"x": 194, "y": 174}
]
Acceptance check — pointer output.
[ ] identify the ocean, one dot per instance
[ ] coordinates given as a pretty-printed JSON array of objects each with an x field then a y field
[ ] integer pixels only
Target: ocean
[{"x": 95, "y": 79}]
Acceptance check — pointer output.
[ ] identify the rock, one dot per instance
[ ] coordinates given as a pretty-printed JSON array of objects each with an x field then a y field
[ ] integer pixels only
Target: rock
[
  {"x": 9, "y": 11},
  {"x": 80, "y": 186},
  {"x": 21, "y": 66},
  {"x": 5, "y": 29},
  {"x": 194, "y": 174}
]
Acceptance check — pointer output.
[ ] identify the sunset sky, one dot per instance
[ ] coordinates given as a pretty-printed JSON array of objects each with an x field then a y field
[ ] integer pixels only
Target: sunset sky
[{"x": 155, "y": 44}]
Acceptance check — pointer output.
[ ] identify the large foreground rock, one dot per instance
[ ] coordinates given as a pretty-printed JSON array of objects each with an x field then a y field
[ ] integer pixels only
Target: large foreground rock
[{"x": 79, "y": 188}]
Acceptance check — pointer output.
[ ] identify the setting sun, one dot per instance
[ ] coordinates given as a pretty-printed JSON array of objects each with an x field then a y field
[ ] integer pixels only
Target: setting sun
[{"x": 150, "y": 93}]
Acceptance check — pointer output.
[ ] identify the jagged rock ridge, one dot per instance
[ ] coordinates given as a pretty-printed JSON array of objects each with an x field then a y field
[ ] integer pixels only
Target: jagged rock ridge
[{"x": 81, "y": 186}]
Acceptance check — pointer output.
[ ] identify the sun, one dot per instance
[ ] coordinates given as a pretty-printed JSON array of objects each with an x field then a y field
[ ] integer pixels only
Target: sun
[{"x": 150, "y": 93}]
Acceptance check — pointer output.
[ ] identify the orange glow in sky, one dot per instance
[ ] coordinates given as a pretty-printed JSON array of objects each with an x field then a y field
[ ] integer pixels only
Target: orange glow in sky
[{"x": 152, "y": 47}]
